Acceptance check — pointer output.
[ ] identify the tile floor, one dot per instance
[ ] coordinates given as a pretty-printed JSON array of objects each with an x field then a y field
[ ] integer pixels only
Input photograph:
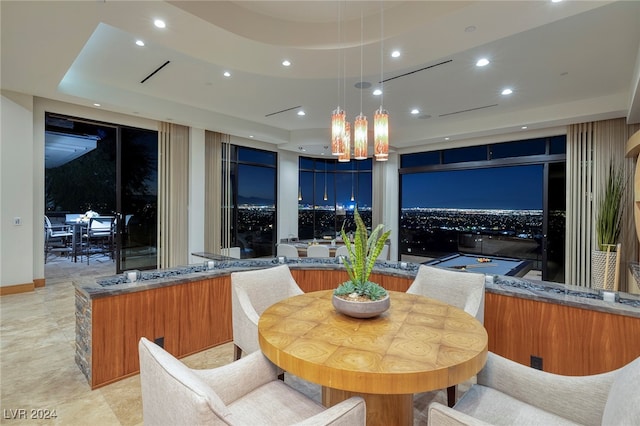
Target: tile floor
[{"x": 38, "y": 371}]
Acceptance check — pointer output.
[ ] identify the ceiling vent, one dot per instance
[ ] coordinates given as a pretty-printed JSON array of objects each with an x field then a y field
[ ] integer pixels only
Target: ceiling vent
[
  {"x": 154, "y": 72},
  {"x": 467, "y": 110},
  {"x": 448, "y": 61}
]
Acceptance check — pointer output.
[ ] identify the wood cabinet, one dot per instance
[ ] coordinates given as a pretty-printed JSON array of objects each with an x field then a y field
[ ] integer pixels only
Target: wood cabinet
[
  {"x": 189, "y": 317},
  {"x": 571, "y": 341}
]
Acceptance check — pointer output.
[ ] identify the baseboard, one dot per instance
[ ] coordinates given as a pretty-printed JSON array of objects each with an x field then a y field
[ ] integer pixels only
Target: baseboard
[{"x": 15, "y": 289}]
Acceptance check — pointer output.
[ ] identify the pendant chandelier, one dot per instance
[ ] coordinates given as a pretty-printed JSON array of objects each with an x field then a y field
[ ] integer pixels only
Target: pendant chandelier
[
  {"x": 345, "y": 157},
  {"x": 338, "y": 117},
  {"x": 337, "y": 131},
  {"x": 381, "y": 116},
  {"x": 341, "y": 128}
]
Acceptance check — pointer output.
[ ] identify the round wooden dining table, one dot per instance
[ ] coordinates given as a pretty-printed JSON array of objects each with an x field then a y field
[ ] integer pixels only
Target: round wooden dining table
[{"x": 418, "y": 345}]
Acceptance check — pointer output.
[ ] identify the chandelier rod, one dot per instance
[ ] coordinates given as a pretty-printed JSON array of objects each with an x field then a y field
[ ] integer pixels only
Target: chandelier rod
[
  {"x": 339, "y": 50},
  {"x": 361, "y": 54},
  {"x": 381, "y": 53}
]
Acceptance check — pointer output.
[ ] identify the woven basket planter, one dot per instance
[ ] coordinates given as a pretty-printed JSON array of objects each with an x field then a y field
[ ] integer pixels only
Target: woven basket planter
[{"x": 598, "y": 267}]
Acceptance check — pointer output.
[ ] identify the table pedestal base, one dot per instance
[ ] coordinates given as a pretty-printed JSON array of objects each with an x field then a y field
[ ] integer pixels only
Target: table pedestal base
[{"x": 382, "y": 410}]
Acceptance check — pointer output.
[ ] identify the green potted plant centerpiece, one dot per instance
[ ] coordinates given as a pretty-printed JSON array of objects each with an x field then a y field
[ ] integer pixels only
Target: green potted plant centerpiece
[
  {"x": 604, "y": 260},
  {"x": 360, "y": 297}
]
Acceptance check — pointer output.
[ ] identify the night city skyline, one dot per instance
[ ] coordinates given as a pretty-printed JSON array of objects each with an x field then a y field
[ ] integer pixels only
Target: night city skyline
[{"x": 498, "y": 188}]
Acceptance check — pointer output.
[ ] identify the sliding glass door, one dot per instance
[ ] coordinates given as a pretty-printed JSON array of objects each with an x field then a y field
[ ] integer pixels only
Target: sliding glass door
[
  {"x": 137, "y": 199},
  {"x": 108, "y": 169}
]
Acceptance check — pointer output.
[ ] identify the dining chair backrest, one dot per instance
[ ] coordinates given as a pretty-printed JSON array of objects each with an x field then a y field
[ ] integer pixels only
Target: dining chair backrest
[
  {"x": 287, "y": 250},
  {"x": 342, "y": 251},
  {"x": 318, "y": 250},
  {"x": 47, "y": 225},
  {"x": 100, "y": 226},
  {"x": 58, "y": 230},
  {"x": 464, "y": 290},
  {"x": 251, "y": 293}
]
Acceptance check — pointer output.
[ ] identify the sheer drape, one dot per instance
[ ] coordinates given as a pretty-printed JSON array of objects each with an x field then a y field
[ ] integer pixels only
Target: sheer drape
[
  {"x": 591, "y": 147},
  {"x": 217, "y": 193},
  {"x": 173, "y": 196}
]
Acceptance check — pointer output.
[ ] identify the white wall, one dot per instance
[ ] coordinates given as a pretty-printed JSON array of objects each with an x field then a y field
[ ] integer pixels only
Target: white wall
[
  {"x": 287, "y": 220},
  {"x": 385, "y": 177},
  {"x": 16, "y": 191}
]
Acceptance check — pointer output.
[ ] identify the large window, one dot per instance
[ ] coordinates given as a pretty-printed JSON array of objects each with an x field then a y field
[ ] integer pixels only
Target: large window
[
  {"x": 501, "y": 199},
  {"x": 328, "y": 194},
  {"x": 253, "y": 188}
]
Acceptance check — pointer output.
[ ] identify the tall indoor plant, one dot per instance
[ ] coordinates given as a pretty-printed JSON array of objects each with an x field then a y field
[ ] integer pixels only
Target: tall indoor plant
[{"x": 608, "y": 227}]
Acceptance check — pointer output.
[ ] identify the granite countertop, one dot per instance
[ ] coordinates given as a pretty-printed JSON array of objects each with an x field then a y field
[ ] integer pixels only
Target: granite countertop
[
  {"x": 581, "y": 297},
  {"x": 119, "y": 284}
]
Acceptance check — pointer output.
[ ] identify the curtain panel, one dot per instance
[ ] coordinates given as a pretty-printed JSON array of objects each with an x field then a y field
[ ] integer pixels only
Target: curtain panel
[
  {"x": 591, "y": 147},
  {"x": 173, "y": 197}
]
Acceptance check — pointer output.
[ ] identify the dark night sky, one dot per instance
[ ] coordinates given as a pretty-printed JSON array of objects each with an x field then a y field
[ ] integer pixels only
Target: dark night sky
[{"x": 517, "y": 188}]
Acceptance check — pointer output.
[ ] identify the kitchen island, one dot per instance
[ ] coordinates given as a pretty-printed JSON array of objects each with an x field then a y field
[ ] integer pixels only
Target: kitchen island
[{"x": 188, "y": 309}]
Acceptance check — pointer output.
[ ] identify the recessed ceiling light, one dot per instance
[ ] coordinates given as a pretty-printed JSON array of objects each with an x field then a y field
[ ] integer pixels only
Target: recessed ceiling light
[
  {"x": 556, "y": 1},
  {"x": 286, "y": 63},
  {"x": 140, "y": 43},
  {"x": 227, "y": 74},
  {"x": 523, "y": 127},
  {"x": 301, "y": 113},
  {"x": 482, "y": 62},
  {"x": 395, "y": 54},
  {"x": 507, "y": 91},
  {"x": 96, "y": 104},
  {"x": 159, "y": 23},
  {"x": 446, "y": 139},
  {"x": 415, "y": 111},
  {"x": 251, "y": 136},
  {"x": 377, "y": 92}
]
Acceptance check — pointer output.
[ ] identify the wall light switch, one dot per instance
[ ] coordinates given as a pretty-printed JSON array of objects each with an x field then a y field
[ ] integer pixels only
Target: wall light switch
[{"x": 17, "y": 221}]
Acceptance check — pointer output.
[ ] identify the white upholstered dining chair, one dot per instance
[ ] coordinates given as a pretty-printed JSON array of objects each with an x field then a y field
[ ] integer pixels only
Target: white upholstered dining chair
[
  {"x": 287, "y": 250},
  {"x": 251, "y": 293},
  {"x": 342, "y": 251},
  {"x": 318, "y": 250},
  {"x": 509, "y": 393},
  {"x": 464, "y": 290},
  {"x": 244, "y": 392}
]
